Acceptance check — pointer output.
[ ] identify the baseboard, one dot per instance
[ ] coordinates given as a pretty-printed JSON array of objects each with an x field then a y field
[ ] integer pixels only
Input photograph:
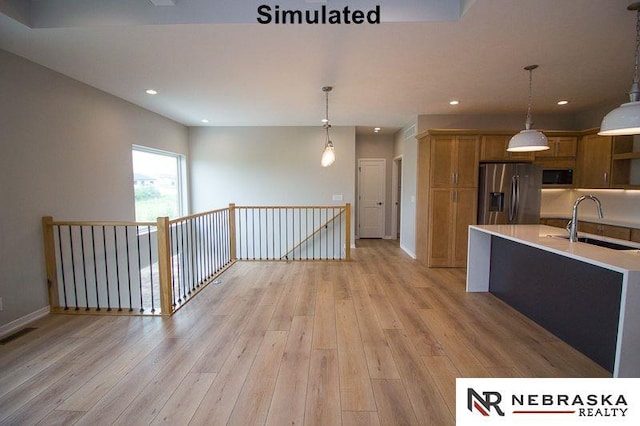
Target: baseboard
[
  {"x": 409, "y": 252},
  {"x": 389, "y": 237},
  {"x": 21, "y": 322}
]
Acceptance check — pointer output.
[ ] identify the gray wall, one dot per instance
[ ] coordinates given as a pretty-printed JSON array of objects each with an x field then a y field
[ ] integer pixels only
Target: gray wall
[
  {"x": 378, "y": 146},
  {"x": 66, "y": 153},
  {"x": 269, "y": 166}
]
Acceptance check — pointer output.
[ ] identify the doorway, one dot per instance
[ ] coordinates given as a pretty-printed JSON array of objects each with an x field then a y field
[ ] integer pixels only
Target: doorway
[{"x": 371, "y": 197}]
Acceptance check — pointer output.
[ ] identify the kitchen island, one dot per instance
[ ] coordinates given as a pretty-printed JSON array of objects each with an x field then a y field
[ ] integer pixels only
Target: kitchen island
[{"x": 588, "y": 296}]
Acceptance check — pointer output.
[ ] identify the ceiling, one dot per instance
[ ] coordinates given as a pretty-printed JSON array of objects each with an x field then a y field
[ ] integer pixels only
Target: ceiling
[{"x": 423, "y": 54}]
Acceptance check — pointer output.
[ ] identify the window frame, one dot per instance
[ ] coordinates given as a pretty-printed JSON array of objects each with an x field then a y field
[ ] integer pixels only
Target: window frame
[{"x": 181, "y": 171}]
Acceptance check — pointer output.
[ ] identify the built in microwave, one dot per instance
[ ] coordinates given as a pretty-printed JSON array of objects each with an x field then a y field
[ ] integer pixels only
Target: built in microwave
[{"x": 558, "y": 177}]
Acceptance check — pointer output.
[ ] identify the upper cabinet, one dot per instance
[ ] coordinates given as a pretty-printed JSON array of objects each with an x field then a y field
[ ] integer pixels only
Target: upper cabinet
[
  {"x": 494, "y": 148},
  {"x": 608, "y": 162},
  {"x": 594, "y": 161},
  {"x": 559, "y": 147},
  {"x": 454, "y": 161},
  {"x": 625, "y": 162}
]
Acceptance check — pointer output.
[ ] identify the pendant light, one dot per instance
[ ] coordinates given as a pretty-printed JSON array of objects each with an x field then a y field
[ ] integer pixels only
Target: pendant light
[
  {"x": 625, "y": 120},
  {"x": 328, "y": 155},
  {"x": 528, "y": 139}
]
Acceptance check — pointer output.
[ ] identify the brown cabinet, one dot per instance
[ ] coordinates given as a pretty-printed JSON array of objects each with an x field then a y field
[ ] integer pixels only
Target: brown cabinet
[
  {"x": 559, "y": 147},
  {"x": 454, "y": 161},
  {"x": 447, "y": 197},
  {"x": 625, "y": 163},
  {"x": 494, "y": 148},
  {"x": 452, "y": 211},
  {"x": 594, "y": 161},
  {"x": 612, "y": 231}
]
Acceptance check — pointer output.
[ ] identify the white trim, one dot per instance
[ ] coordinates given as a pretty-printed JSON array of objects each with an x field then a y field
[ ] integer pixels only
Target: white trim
[
  {"x": 14, "y": 325},
  {"x": 182, "y": 175},
  {"x": 409, "y": 252},
  {"x": 395, "y": 197},
  {"x": 388, "y": 237}
]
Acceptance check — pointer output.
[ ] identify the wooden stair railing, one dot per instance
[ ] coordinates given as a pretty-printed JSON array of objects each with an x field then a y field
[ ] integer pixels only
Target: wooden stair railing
[
  {"x": 310, "y": 236},
  {"x": 149, "y": 268}
]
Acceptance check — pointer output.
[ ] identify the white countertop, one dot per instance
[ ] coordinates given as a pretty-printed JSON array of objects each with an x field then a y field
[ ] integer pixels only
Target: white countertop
[{"x": 541, "y": 236}]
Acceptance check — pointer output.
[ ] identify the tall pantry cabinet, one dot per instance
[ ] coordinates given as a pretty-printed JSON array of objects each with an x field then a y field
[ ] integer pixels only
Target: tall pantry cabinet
[{"x": 446, "y": 197}]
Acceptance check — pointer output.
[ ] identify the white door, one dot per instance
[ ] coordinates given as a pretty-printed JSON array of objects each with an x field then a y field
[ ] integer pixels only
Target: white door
[{"x": 371, "y": 194}]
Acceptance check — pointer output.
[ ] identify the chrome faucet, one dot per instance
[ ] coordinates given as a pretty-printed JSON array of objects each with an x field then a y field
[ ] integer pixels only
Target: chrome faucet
[{"x": 572, "y": 226}]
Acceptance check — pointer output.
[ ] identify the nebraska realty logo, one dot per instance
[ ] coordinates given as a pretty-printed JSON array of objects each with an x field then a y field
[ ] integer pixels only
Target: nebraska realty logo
[{"x": 552, "y": 401}]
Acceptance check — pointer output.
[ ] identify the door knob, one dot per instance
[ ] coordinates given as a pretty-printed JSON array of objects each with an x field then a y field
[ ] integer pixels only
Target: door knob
[{"x": 380, "y": 203}]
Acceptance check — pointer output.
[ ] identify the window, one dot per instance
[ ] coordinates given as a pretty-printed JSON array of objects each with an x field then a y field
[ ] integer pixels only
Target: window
[{"x": 157, "y": 184}]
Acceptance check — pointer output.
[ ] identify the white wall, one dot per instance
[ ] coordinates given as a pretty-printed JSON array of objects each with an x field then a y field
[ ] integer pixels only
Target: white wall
[
  {"x": 406, "y": 145},
  {"x": 66, "y": 153},
  {"x": 378, "y": 146},
  {"x": 269, "y": 166}
]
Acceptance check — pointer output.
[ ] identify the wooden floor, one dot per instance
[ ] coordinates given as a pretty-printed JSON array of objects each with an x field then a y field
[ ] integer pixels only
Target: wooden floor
[{"x": 379, "y": 340}]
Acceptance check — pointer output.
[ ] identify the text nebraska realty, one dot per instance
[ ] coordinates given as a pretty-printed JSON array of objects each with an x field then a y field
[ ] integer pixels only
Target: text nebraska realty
[{"x": 274, "y": 15}]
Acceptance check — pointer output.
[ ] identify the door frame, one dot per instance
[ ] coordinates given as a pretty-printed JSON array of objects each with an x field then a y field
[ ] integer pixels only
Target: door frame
[
  {"x": 396, "y": 197},
  {"x": 384, "y": 193}
]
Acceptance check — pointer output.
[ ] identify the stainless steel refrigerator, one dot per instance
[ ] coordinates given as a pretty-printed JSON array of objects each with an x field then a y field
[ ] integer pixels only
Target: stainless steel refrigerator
[{"x": 509, "y": 193}]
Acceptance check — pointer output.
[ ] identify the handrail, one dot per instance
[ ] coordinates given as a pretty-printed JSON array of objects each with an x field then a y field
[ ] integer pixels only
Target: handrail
[
  {"x": 101, "y": 223},
  {"x": 196, "y": 215},
  {"x": 117, "y": 267},
  {"x": 322, "y": 226},
  {"x": 275, "y": 232},
  {"x": 290, "y": 207}
]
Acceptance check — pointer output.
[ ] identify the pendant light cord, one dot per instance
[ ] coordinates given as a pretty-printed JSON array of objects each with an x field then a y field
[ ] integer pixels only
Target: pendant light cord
[
  {"x": 634, "y": 94},
  {"x": 326, "y": 124},
  {"x": 326, "y": 97},
  {"x": 529, "y": 123}
]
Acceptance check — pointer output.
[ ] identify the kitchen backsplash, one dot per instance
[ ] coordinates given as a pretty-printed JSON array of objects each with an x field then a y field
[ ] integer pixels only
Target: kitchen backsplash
[{"x": 621, "y": 207}]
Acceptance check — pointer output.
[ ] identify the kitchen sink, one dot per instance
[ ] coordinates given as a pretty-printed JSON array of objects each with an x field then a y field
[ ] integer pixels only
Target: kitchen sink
[{"x": 601, "y": 243}]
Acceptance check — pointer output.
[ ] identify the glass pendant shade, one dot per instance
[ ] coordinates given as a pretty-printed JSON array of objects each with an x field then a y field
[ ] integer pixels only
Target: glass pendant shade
[
  {"x": 328, "y": 155},
  {"x": 528, "y": 140},
  {"x": 624, "y": 120}
]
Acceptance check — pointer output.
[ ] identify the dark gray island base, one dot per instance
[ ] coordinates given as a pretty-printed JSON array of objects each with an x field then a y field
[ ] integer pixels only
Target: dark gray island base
[
  {"x": 578, "y": 302},
  {"x": 588, "y": 296}
]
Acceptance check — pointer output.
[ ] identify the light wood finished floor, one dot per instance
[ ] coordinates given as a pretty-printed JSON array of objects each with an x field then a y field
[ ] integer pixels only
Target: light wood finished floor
[{"x": 379, "y": 340}]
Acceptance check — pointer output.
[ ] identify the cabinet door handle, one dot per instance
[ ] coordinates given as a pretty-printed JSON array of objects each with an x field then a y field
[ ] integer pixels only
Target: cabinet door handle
[
  {"x": 456, "y": 182},
  {"x": 606, "y": 175},
  {"x": 453, "y": 177}
]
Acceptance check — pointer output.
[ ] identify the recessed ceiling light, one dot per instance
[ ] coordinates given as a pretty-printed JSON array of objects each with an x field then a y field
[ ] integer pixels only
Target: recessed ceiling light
[
  {"x": 325, "y": 120},
  {"x": 454, "y": 102},
  {"x": 204, "y": 120},
  {"x": 151, "y": 92},
  {"x": 563, "y": 102},
  {"x": 376, "y": 129}
]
